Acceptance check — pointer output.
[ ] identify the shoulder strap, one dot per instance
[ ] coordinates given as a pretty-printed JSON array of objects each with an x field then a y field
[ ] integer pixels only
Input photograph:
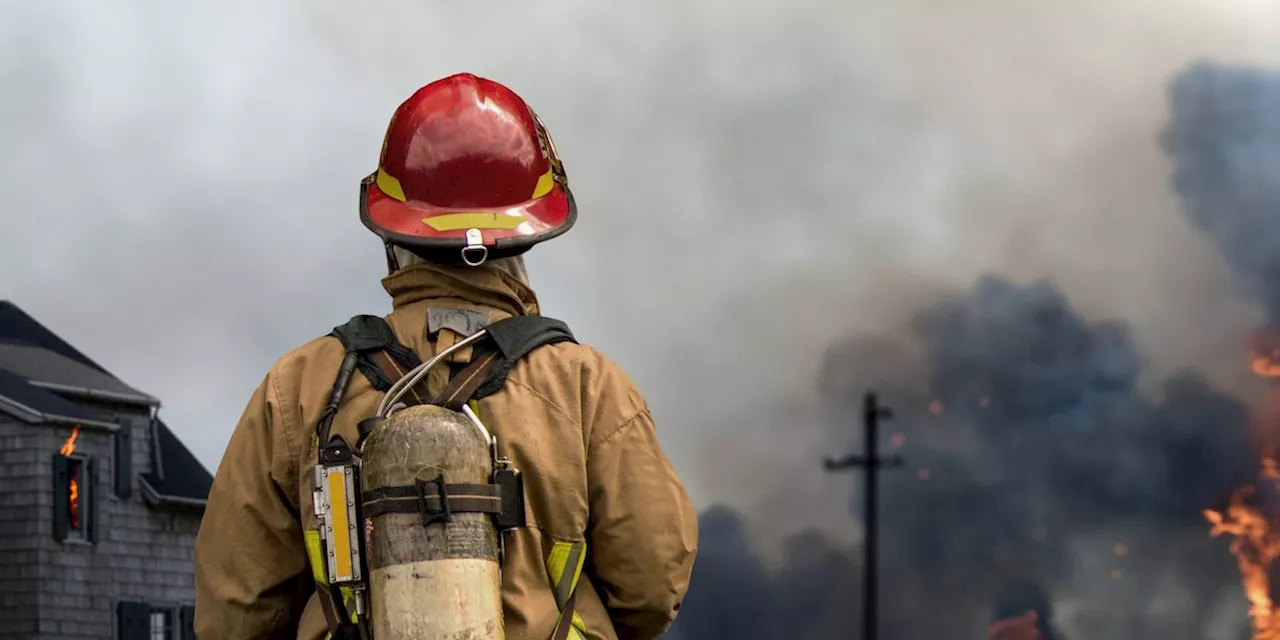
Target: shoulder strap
[
  {"x": 368, "y": 337},
  {"x": 511, "y": 339},
  {"x": 371, "y": 347}
]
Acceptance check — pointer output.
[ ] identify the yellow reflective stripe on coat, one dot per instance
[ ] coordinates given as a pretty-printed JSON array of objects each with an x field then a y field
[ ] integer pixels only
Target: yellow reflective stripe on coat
[
  {"x": 316, "y": 554},
  {"x": 564, "y": 566}
]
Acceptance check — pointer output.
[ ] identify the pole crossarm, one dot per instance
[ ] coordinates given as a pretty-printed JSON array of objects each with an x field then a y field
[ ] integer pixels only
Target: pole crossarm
[{"x": 871, "y": 463}]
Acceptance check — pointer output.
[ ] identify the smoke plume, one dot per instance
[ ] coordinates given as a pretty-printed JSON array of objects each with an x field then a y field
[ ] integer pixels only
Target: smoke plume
[
  {"x": 1042, "y": 471},
  {"x": 1033, "y": 455},
  {"x": 1225, "y": 142},
  {"x": 1039, "y": 470}
]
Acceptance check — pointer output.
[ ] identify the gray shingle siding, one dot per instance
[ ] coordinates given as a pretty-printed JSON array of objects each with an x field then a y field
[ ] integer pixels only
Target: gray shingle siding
[
  {"x": 19, "y": 529},
  {"x": 68, "y": 591}
]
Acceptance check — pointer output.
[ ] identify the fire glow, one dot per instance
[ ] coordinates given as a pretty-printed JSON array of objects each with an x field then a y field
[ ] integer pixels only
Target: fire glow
[
  {"x": 1255, "y": 543},
  {"x": 1264, "y": 353},
  {"x": 73, "y": 483}
]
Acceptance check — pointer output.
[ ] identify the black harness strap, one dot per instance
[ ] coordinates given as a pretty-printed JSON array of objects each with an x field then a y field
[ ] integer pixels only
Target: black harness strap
[
  {"x": 380, "y": 356},
  {"x": 367, "y": 335},
  {"x": 515, "y": 338}
]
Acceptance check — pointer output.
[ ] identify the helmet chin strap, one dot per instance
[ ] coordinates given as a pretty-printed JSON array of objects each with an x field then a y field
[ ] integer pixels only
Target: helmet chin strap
[
  {"x": 399, "y": 258},
  {"x": 393, "y": 263}
]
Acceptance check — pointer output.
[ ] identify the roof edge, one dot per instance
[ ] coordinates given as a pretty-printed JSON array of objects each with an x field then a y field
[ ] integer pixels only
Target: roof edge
[
  {"x": 19, "y": 410},
  {"x": 157, "y": 499},
  {"x": 27, "y": 414},
  {"x": 98, "y": 394}
]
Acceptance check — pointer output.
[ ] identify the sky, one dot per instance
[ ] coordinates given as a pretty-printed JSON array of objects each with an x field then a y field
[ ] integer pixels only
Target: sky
[{"x": 757, "y": 181}]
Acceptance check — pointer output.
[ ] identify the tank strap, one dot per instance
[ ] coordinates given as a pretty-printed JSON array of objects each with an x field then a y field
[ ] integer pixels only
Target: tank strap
[
  {"x": 434, "y": 500},
  {"x": 564, "y": 567}
]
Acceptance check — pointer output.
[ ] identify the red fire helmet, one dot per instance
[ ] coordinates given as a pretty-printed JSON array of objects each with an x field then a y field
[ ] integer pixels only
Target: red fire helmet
[{"x": 467, "y": 172}]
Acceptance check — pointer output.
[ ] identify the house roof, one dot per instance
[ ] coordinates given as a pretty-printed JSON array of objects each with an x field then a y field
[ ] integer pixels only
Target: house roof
[
  {"x": 41, "y": 374},
  {"x": 179, "y": 478},
  {"x": 34, "y": 352},
  {"x": 16, "y": 327},
  {"x": 19, "y": 397},
  {"x": 51, "y": 370}
]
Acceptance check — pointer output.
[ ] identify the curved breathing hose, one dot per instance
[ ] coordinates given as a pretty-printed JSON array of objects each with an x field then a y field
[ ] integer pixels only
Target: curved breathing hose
[{"x": 419, "y": 372}]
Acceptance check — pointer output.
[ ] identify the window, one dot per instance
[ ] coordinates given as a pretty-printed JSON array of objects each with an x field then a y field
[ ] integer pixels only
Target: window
[
  {"x": 74, "y": 498},
  {"x": 187, "y": 616},
  {"x": 123, "y": 462},
  {"x": 152, "y": 621},
  {"x": 161, "y": 624}
]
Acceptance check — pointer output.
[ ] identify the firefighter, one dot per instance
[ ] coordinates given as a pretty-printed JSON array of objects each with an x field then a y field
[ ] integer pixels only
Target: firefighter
[
  {"x": 468, "y": 180},
  {"x": 1023, "y": 627},
  {"x": 1023, "y": 611}
]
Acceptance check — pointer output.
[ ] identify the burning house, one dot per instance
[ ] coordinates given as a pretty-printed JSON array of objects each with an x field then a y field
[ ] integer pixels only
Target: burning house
[{"x": 101, "y": 501}]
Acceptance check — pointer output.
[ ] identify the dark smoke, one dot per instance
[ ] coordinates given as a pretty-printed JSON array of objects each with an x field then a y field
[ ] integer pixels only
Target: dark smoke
[
  {"x": 1040, "y": 476},
  {"x": 1225, "y": 143},
  {"x": 1047, "y": 467}
]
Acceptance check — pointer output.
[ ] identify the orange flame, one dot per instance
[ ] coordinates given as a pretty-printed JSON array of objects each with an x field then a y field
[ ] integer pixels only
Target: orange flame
[
  {"x": 936, "y": 407},
  {"x": 73, "y": 485},
  {"x": 69, "y": 447},
  {"x": 1255, "y": 547},
  {"x": 1264, "y": 353},
  {"x": 74, "y": 503},
  {"x": 1256, "y": 534}
]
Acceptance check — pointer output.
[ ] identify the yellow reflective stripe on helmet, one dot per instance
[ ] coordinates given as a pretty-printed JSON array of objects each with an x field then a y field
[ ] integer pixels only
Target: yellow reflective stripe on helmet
[
  {"x": 456, "y": 221},
  {"x": 389, "y": 185},
  {"x": 545, "y": 182},
  {"x": 564, "y": 566}
]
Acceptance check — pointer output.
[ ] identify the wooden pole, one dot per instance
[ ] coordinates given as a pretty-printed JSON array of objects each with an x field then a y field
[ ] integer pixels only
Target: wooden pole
[{"x": 871, "y": 463}]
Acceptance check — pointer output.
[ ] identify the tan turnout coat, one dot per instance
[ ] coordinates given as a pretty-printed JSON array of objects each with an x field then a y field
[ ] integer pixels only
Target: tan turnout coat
[{"x": 568, "y": 418}]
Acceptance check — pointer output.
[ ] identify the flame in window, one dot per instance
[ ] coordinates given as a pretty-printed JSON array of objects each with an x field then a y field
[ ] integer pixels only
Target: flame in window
[
  {"x": 69, "y": 447},
  {"x": 73, "y": 481}
]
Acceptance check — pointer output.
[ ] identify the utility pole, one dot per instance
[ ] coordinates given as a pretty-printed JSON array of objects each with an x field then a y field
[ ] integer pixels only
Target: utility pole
[{"x": 871, "y": 464}]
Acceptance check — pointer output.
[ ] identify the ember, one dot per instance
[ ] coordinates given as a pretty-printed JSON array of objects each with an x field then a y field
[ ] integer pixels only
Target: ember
[
  {"x": 936, "y": 407},
  {"x": 73, "y": 483}
]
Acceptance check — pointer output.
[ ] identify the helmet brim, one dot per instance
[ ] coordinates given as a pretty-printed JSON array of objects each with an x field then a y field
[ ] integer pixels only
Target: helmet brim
[{"x": 439, "y": 233}]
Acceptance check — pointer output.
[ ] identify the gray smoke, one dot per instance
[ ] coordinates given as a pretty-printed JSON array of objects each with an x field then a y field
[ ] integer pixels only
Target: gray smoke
[
  {"x": 757, "y": 179},
  {"x": 1048, "y": 470},
  {"x": 1225, "y": 143},
  {"x": 1034, "y": 455}
]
